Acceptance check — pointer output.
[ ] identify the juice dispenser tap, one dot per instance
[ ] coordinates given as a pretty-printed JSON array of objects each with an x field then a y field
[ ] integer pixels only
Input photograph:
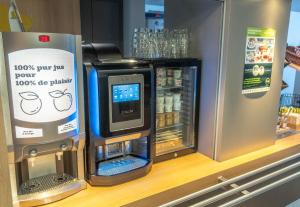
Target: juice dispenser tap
[{"x": 33, "y": 153}]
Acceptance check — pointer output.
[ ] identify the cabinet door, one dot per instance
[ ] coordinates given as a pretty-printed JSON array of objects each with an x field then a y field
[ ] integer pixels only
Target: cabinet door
[{"x": 175, "y": 108}]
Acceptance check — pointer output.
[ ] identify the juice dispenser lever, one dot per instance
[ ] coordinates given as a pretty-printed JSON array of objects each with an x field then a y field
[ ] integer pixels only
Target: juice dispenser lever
[
  {"x": 59, "y": 154},
  {"x": 32, "y": 153},
  {"x": 63, "y": 148}
]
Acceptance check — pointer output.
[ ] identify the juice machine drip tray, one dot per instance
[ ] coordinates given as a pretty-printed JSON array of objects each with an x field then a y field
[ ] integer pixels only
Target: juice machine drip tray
[
  {"x": 120, "y": 165},
  {"x": 45, "y": 183}
]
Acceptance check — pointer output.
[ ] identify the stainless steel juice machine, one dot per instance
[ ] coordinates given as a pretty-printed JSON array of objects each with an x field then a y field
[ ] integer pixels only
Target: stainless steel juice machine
[
  {"x": 119, "y": 116},
  {"x": 42, "y": 100}
]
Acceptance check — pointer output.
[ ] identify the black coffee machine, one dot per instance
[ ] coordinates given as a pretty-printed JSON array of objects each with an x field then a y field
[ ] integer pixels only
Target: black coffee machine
[{"x": 119, "y": 115}]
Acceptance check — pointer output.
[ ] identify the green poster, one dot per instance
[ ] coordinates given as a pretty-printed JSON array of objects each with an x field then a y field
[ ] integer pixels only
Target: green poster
[{"x": 259, "y": 57}]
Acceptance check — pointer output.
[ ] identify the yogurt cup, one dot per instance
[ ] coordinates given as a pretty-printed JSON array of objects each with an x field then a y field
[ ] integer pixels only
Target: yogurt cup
[{"x": 177, "y": 74}]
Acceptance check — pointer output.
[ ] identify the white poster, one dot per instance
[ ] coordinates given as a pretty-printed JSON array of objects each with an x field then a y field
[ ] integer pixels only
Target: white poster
[{"x": 43, "y": 85}]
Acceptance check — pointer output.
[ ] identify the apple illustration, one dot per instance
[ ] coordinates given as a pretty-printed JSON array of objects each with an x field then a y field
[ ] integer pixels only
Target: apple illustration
[
  {"x": 62, "y": 101},
  {"x": 30, "y": 103}
]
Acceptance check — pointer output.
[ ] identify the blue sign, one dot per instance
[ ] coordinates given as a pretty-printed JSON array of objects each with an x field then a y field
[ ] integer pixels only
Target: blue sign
[{"x": 124, "y": 93}]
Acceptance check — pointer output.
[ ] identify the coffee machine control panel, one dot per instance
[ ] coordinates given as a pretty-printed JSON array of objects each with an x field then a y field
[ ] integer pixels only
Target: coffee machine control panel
[{"x": 126, "y": 101}]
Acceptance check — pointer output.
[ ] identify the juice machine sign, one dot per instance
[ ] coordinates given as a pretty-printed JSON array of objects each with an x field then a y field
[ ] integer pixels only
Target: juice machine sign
[
  {"x": 43, "y": 89},
  {"x": 259, "y": 57}
]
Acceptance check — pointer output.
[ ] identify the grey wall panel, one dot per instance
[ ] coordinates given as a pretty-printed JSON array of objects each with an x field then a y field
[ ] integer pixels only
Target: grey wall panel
[
  {"x": 204, "y": 20},
  {"x": 86, "y": 20},
  {"x": 133, "y": 17},
  {"x": 248, "y": 122},
  {"x": 108, "y": 21},
  {"x": 102, "y": 21},
  {"x": 5, "y": 188}
]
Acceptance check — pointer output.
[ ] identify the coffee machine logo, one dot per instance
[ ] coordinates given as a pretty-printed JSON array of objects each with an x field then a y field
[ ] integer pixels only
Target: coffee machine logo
[{"x": 43, "y": 84}]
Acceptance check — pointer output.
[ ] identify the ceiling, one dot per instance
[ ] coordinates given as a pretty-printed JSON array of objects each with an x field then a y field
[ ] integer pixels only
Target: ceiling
[
  {"x": 155, "y": 2},
  {"x": 296, "y": 5}
]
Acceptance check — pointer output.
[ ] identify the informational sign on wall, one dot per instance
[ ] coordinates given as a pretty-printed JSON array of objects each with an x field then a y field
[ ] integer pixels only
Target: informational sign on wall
[
  {"x": 43, "y": 89},
  {"x": 259, "y": 59}
]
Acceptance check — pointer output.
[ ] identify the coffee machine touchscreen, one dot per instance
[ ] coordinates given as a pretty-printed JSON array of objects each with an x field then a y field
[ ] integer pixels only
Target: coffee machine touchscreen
[
  {"x": 126, "y": 93},
  {"x": 126, "y": 102}
]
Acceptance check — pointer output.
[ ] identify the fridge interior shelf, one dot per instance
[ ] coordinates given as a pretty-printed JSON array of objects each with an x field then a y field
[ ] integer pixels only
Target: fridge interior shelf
[
  {"x": 168, "y": 88},
  {"x": 171, "y": 145},
  {"x": 169, "y": 127},
  {"x": 168, "y": 135},
  {"x": 169, "y": 139}
]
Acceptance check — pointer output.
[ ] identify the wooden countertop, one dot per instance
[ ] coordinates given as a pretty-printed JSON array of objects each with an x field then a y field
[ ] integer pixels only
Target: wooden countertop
[{"x": 166, "y": 175}]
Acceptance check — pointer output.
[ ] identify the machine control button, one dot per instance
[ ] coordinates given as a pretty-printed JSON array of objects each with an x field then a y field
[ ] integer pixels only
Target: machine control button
[
  {"x": 63, "y": 147},
  {"x": 33, "y": 152}
]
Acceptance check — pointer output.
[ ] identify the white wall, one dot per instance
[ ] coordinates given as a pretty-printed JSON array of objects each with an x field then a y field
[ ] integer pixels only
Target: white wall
[
  {"x": 150, "y": 7},
  {"x": 133, "y": 17},
  {"x": 296, "y": 5},
  {"x": 294, "y": 29},
  {"x": 289, "y": 76},
  {"x": 289, "y": 73}
]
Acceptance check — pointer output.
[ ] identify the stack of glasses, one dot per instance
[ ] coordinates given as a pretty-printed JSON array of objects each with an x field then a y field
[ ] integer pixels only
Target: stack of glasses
[{"x": 164, "y": 43}]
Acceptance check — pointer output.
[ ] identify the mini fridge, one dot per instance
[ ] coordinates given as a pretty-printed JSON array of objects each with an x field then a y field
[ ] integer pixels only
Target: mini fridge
[{"x": 177, "y": 92}]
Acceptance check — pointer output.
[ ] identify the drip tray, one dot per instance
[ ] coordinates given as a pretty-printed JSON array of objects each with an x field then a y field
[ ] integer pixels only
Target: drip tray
[
  {"x": 120, "y": 165},
  {"x": 44, "y": 183}
]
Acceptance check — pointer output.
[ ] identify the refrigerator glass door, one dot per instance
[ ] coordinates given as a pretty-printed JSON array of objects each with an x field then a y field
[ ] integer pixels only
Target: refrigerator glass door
[{"x": 175, "y": 109}]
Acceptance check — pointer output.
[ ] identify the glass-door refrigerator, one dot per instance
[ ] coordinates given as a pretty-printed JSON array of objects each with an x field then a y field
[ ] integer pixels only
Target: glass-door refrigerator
[{"x": 177, "y": 93}]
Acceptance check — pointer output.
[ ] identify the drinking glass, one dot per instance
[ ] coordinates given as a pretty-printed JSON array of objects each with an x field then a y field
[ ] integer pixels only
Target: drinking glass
[{"x": 165, "y": 43}]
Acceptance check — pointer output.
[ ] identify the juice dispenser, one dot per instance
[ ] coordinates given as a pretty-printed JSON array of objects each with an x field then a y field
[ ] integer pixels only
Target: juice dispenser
[{"x": 42, "y": 101}]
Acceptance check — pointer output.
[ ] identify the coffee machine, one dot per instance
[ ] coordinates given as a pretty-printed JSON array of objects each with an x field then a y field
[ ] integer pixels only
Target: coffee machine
[
  {"x": 42, "y": 100},
  {"x": 119, "y": 114}
]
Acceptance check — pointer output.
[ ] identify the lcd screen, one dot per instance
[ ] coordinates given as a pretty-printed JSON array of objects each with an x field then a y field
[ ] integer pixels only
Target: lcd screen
[{"x": 125, "y": 93}]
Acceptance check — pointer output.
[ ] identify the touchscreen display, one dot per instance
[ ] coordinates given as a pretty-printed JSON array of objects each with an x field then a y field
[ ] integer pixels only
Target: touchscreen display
[{"x": 125, "y": 93}]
